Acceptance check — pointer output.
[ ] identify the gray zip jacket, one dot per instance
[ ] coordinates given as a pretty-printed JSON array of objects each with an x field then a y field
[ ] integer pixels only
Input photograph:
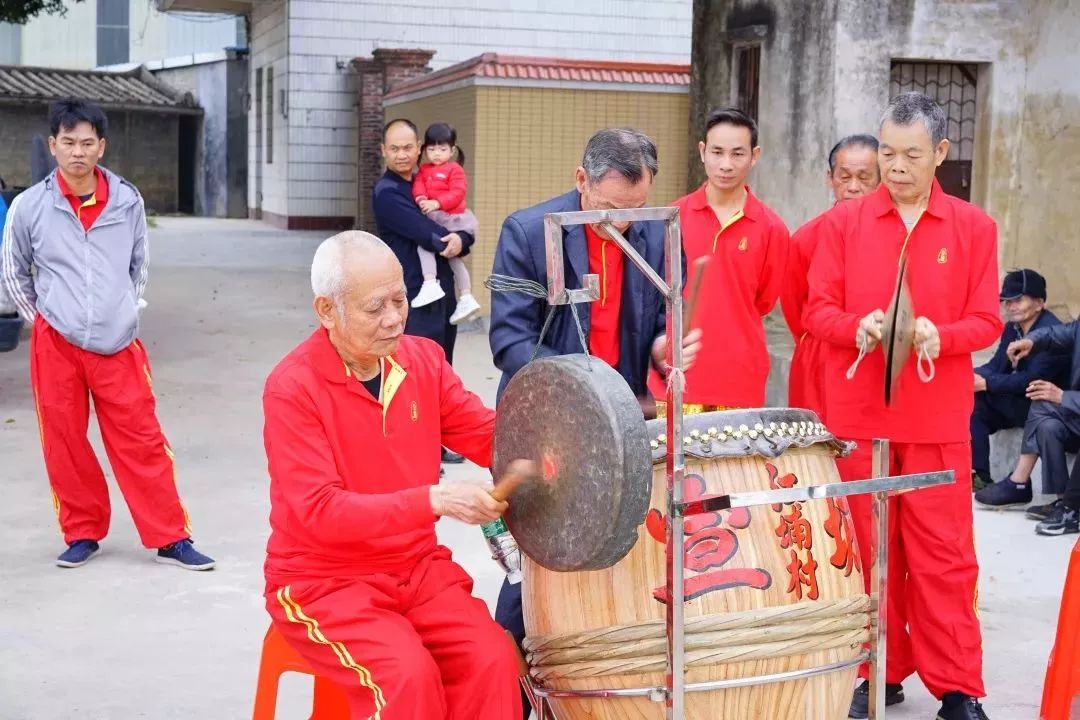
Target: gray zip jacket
[{"x": 87, "y": 284}]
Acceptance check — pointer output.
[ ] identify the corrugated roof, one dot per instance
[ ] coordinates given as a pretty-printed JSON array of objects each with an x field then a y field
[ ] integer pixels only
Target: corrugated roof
[
  {"x": 531, "y": 69},
  {"x": 135, "y": 89}
]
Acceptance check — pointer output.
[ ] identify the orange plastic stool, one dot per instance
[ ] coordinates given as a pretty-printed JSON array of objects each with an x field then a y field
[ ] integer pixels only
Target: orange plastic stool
[
  {"x": 279, "y": 657},
  {"x": 1061, "y": 692}
]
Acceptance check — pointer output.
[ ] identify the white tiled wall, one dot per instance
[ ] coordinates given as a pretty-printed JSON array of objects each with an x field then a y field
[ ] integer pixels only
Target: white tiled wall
[
  {"x": 656, "y": 30},
  {"x": 322, "y": 33},
  {"x": 269, "y": 48}
]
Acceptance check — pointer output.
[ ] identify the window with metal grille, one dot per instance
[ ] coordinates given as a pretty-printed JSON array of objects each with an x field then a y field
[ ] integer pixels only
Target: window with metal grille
[
  {"x": 269, "y": 115},
  {"x": 113, "y": 35},
  {"x": 747, "y": 78},
  {"x": 954, "y": 87}
]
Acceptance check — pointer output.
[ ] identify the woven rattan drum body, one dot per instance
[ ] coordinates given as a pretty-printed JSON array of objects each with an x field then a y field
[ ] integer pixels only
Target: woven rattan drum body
[{"x": 769, "y": 589}]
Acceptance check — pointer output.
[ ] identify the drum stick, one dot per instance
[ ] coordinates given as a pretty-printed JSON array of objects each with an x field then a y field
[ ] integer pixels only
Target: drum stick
[
  {"x": 695, "y": 292},
  {"x": 516, "y": 473}
]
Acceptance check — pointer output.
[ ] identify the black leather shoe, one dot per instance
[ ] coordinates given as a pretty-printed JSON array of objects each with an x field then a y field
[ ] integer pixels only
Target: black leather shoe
[
  {"x": 860, "y": 701},
  {"x": 957, "y": 706},
  {"x": 451, "y": 457}
]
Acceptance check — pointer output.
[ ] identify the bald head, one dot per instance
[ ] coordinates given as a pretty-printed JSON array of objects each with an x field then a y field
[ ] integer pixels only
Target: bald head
[
  {"x": 340, "y": 261},
  {"x": 360, "y": 296}
]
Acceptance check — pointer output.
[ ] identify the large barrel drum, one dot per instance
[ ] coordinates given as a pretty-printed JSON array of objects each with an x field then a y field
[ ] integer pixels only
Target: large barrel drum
[{"x": 769, "y": 589}]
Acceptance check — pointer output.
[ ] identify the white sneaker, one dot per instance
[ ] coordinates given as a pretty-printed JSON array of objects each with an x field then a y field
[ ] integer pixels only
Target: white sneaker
[
  {"x": 466, "y": 308},
  {"x": 430, "y": 291}
]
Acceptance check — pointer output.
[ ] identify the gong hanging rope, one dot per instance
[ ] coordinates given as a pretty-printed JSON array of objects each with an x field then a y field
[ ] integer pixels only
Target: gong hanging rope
[{"x": 506, "y": 283}]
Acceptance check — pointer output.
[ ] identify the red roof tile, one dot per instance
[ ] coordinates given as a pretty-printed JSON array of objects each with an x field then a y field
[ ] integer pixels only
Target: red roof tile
[{"x": 518, "y": 67}]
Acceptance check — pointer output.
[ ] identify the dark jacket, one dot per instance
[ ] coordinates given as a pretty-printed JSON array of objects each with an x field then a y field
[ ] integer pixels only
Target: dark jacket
[
  {"x": 516, "y": 318},
  {"x": 1064, "y": 339},
  {"x": 1003, "y": 379},
  {"x": 403, "y": 227}
]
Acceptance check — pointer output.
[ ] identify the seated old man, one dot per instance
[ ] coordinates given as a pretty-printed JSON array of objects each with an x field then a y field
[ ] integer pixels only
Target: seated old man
[
  {"x": 1000, "y": 387},
  {"x": 1053, "y": 426},
  {"x": 355, "y": 579}
]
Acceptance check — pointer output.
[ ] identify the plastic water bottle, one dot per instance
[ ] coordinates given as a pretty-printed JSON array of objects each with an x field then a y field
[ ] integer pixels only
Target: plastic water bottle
[{"x": 504, "y": 549}]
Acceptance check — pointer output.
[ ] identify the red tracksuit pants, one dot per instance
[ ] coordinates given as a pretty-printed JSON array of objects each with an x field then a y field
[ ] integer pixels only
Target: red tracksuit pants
[
  {"x": 933, "y": 624},
  {"x": 410, "y": 646},
  {"x": 64, "y": 377},
  {"x": 806, "y": 378}
]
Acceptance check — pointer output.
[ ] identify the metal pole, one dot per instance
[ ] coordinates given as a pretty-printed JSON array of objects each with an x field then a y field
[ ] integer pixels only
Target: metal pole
[
  {"x": 879, "y": 579},
  {"x": 676, "y": 467}
]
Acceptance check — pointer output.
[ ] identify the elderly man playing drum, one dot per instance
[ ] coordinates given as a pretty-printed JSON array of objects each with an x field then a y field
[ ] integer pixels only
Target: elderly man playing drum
[
  {"x": 950, "y": 249},
  {"x": 355, "y": 579},
  {"x": 626, "y": 327}
]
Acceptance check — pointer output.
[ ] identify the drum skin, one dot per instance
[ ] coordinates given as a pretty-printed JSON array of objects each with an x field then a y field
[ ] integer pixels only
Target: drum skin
[{"x": 737, "y": 560}]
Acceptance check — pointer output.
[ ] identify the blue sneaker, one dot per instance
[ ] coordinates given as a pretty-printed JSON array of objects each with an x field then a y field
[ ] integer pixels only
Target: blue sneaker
[
  {"x": 184, "y": 554},
  {"x": 78, "y": 554}
]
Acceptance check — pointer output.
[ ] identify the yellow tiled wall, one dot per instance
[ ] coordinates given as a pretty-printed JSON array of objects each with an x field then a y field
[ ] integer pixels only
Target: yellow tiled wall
[{"x": 523, "y": 145}]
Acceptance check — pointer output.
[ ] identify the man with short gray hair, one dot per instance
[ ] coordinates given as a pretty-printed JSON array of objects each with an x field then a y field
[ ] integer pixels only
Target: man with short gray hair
[
  {"x": 626, "y": 327},
  {"x": 356, "y": 581},
  {"x": 950, "y": 250},
  {"x": 853, "y": 172}
]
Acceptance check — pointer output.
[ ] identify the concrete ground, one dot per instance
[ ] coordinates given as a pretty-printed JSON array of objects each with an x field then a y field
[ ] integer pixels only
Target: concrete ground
[{"x": 127, "y": 638}]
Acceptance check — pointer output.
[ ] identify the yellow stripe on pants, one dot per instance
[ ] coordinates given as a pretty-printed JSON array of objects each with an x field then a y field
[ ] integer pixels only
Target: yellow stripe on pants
[{"x": 295, "y": 614}]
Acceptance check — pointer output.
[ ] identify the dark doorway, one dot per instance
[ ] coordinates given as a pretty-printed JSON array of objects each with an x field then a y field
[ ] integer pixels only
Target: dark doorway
[
  {"x": 188, "y": 164},
  {"x": 953, "y": 86}
]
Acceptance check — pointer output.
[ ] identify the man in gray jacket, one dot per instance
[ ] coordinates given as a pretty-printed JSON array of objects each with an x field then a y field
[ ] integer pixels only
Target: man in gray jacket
[{"x": 83, "y": 230}]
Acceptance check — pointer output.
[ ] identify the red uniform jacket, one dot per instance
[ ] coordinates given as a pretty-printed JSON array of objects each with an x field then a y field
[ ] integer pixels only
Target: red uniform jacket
[
  {"x": 796, "y": 289},
  {"x": 446, "y": 183},
  {"x": 350, "y": 477},
  {"x": 953, "y": 276},
  {"x": 742, "y": 282},
  {"x": 805, "y": 381}
]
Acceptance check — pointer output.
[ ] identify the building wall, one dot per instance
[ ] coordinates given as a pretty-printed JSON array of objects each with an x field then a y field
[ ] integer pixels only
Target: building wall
[
  {"x": 825, "y": 74},
  {"x": 270, "y": 49},
  {"x": 326, "y": 33},
  {"x": 656, "y": 30},
  {"x": 18, "y": 125},
  {"x": 1046, "y": 225},
  {"x": 524, "y": 144},
  {"x": 236, "y": 136},
  {"x": 186, "y": 35},
  {"x": 62, "y": 42},
  {"x": 141, "y": 147},
  {"x": 71, "y": 41},
  {"x": 795, "y": 116},
  {"x": 220, "y": 88},
  {"x": 1027, "y": 102},
  {"x": 10, "y": 44}
]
